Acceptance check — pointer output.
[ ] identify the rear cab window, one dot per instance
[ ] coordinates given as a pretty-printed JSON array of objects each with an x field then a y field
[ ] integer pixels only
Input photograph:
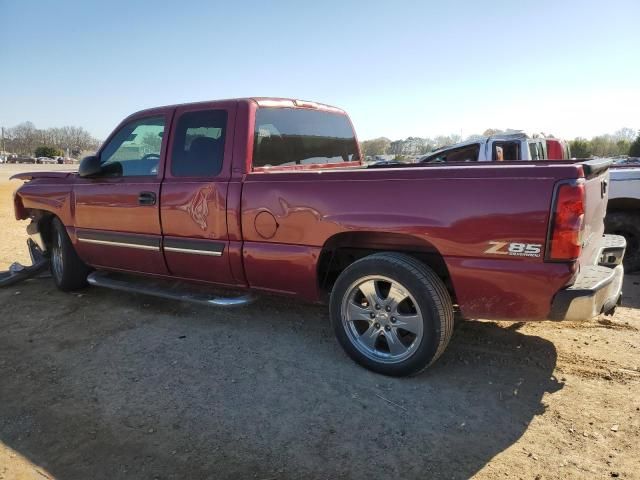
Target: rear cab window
[
  {"x": 297, "y": 137},
  {"x": 198, "y": 146}
]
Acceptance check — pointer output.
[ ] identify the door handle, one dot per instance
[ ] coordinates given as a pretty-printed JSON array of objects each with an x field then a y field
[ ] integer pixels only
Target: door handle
[{"x": 147, "y": 198}]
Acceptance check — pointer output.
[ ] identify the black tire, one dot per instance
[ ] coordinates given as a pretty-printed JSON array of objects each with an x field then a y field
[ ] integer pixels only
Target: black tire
[
  {"x": 68, "y": 271},
  {"x": 626, "y": 224},
  {"x": 428, "y": 292}
]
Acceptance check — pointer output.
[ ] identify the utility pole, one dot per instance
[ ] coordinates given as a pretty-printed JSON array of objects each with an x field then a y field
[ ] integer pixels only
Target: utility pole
[{"x": 2, "y": 140}]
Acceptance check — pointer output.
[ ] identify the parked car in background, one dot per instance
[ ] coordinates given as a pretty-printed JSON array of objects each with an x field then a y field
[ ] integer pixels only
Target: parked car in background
[
  {"x": 627, "y": 161},
  {"x": 269, "y": 194},
  {"x": 623, "y": 209},
  {"x": 3, "y": 159},
  {"x": 500, "y": 147},
  {"x": 47, "y": 160},
  {"x": 22, "y": 159}
]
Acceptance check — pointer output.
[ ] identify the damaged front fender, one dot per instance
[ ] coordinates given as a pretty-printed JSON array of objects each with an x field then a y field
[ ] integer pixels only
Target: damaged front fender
[{"x": 21, "y": 213}]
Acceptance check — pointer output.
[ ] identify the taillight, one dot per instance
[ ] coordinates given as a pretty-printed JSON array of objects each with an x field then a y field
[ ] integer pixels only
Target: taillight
[{"x": 567, "y": 223}]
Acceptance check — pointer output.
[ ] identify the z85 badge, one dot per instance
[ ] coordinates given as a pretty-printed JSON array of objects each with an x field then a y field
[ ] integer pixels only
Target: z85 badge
[{"x": 514, "y": 248}]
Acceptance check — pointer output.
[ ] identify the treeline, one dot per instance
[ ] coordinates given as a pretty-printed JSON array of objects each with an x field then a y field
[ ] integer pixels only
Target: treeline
[
  {"x": 607, "y": 145},
  {"x": 25, "y": 139},
  {"x": 408, "y": 146},
  {"x": 625, "y": 141}
]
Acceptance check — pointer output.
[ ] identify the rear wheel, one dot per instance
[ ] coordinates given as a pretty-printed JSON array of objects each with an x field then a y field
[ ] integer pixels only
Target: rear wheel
[
  {"x": 626, "y": 224},
  {"x": 68, "y": 271},
  {"x": 392, "y": 314}
]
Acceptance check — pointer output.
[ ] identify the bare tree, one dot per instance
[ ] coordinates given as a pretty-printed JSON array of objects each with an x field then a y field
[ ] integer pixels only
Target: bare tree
[
  {"x": 25, "y": 138},
  {"x": 22, "y": 138},
  {"x": 628, "y": 134}
]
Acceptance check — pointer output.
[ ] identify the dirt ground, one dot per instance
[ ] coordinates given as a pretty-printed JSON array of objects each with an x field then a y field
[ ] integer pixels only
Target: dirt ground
[{"x": 99, "y": 384}]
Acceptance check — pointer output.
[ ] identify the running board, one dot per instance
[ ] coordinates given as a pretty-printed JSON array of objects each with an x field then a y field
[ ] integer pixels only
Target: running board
[{"x": 171, "y": 289}]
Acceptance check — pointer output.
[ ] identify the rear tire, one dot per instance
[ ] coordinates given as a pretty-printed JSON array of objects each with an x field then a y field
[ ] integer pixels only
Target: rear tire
[
  {"x": 626, "y": 224},
  {"x": 68, "y": 271},
  {"x": 391, "y": 313}
]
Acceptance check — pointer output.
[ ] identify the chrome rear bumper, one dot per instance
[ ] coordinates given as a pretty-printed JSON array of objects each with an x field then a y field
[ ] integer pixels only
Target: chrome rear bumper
[{"x": 597, "y": 288}]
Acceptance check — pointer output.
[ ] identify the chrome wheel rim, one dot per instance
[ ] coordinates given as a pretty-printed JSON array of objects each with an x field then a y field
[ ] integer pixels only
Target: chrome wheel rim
[
  {"x": 382, "y": 319},
  {"x": 56, "y": 256}
]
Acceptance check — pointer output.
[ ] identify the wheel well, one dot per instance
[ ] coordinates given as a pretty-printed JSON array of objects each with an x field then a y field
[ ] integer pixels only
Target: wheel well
[
  {"x": 43, "y": 220},
  {"x": 617, "y": 204},
  {"x": 343, "y": 249}
]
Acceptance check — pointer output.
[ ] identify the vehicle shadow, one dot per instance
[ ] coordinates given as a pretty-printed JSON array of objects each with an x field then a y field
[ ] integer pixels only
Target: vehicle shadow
[{"x": 110, "y": 385}]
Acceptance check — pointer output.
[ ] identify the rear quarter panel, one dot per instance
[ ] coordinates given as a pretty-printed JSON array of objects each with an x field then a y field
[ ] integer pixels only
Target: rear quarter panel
[{"x": 455, "y": 210}]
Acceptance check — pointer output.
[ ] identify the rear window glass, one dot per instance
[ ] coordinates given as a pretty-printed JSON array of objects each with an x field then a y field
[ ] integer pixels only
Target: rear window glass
[
  {"x": 289, "y": 136},
  {"x": 198, "y": 148}
]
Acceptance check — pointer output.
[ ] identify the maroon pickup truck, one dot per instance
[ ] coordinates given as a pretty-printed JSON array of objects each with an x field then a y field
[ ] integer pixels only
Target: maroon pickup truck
[{"x": 267, "y": 194}]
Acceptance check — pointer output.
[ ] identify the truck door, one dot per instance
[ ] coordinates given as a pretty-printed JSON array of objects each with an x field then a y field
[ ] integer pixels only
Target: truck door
[
  {"x": 117, "y": 215},
  {"x": 193, "y": 201}
]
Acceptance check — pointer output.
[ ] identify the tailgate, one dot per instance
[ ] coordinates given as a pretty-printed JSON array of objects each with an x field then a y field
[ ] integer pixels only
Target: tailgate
[
  {"x": 597, "y": 285},
  {"x": 596, "y": 178}
]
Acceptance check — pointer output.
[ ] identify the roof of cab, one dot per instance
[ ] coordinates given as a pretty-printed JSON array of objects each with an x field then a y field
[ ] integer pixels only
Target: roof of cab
[{"x": 263, "y": 102}]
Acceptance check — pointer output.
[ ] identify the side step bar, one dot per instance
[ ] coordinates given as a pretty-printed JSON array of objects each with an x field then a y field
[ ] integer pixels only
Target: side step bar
[{"x": 171, "y": 289}]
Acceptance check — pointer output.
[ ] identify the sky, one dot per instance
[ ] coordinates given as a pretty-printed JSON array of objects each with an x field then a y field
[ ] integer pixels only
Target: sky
[{"x": 399, "y": 68}]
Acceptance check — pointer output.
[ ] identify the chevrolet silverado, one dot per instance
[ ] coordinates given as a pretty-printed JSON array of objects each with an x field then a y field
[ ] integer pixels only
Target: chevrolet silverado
[{"x": 268, "y": 194}]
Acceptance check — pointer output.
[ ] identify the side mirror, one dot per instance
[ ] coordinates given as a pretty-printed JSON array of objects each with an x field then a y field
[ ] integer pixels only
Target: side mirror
[{"x": 90, "y": 166}]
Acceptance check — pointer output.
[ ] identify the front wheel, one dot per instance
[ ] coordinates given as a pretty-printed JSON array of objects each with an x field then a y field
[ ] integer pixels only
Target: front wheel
[
  {"x": 68, "y": 271},
  {"x": 391, "y": 313}
]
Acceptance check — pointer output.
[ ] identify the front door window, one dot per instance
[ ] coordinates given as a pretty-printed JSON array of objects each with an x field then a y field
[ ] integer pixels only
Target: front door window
[{"x": 135, "y": 149}]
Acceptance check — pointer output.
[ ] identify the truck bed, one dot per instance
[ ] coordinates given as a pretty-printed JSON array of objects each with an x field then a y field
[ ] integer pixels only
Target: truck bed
[{"x": 450, "y": 210}]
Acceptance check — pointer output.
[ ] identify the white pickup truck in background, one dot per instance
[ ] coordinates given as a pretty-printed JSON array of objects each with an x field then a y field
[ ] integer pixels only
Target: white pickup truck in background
[
  {"x": 623, "y": 210},
  {"x": 503, "y": 146}
]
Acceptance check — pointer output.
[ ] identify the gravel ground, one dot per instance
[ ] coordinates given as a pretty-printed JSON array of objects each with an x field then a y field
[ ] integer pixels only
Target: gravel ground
[{"x": 98, "y": 384}]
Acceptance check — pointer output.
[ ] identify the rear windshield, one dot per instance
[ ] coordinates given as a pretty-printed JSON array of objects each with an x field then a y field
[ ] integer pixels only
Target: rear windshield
[{"x": 290, "y": 136}]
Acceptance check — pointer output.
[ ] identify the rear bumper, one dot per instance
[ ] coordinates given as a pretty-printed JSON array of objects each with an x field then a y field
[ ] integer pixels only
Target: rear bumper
[{"x": 597, "y": 288}]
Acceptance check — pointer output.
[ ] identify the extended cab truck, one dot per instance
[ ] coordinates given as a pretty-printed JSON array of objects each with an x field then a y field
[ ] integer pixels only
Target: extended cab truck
[
  {"x": 269, "y": 195},
  {"x": 499, "y": 147}
]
